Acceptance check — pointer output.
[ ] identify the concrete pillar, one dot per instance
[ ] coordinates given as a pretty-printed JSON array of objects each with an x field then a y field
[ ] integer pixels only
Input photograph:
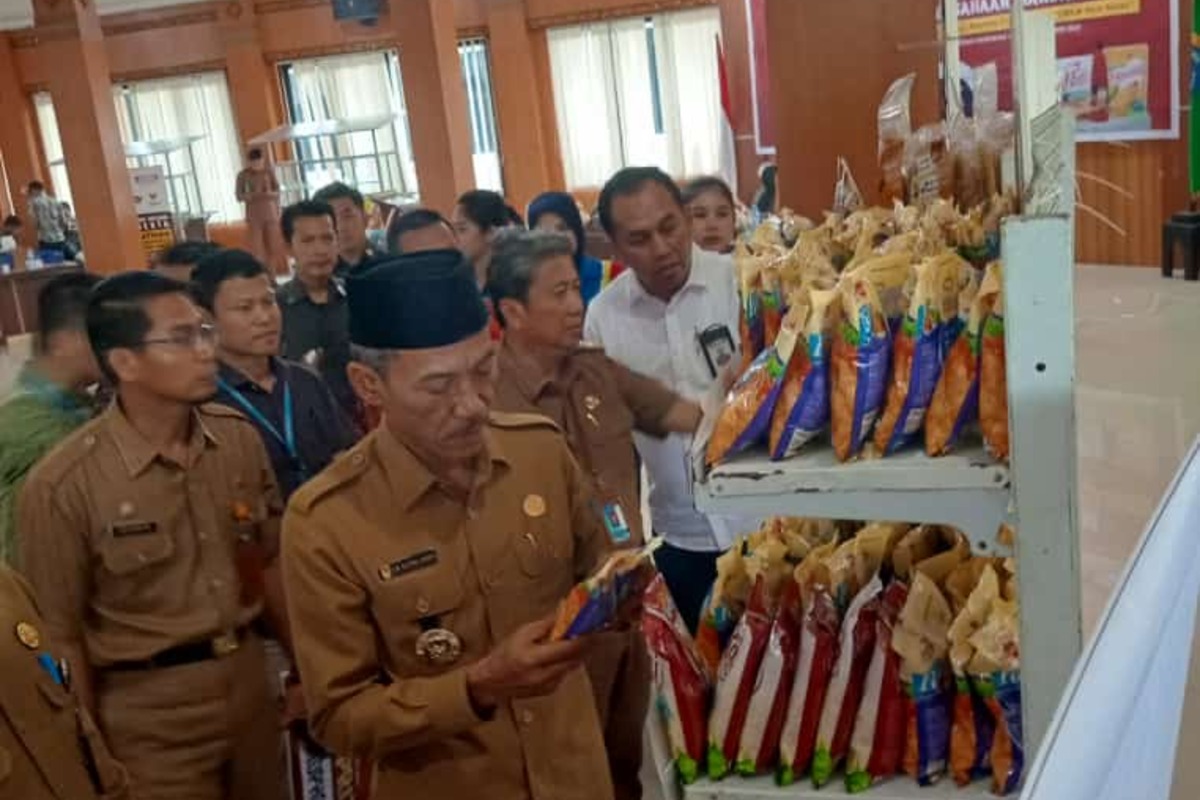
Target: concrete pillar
[
  {"x": 19, "y": 133},
  {"x": 251, "y": 85}
]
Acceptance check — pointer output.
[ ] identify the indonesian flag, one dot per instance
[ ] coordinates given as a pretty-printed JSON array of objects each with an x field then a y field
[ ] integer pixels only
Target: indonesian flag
[{"x": 728, "y": 167}]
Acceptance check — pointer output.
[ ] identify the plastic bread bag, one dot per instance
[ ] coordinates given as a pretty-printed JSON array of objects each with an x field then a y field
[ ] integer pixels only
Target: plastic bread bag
[
  {"x": 955, "y": 402},
  {"x": 993, "y": 383},
  {"x": 877, "y": 743},
  {"x": 758, "y": 749},
  {"x": 802, "y": 410},
  {"x": 736, "y": 679},
  {"x": 819, "y": 644},
  {"x": 724, "y": 606},
  {"x": 928, "y": 165},
  {"x": 750, "y": 321},
  {"x": 895, "y": 127},
  {"x": 973, "y": 726},
  {"x": 746, "y": 416},
  {"x": 859, "y": 359},
  {"x": 846, "y": 685},
  {"x": 846, "y": 195},
  {"x": 603, "y": 600},
  {"x": 773, "y": 305},
  {"x": 679, "y": 682},
  {"x": 920, "y": 641}
]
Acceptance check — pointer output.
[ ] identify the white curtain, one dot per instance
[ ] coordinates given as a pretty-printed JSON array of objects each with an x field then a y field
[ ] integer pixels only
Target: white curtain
[
  {"x": 52, "y": 144},
  {"x": 624, "y": 88},
  {"x": 351, "y": 87},
  {"x": 190, "y": 105}
]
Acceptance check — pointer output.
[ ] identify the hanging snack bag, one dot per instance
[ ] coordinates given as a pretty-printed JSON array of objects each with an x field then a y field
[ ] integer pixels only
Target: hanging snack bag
[
  {"x": 877, "y": 744},
  {"x": 858, "y": 367},
  {"x": 679, "y": 682},
  {"x": 802, "y": 411},
  {"x": 895, "y": 128},
  {"x": 749, "y": 405},
  {"x": 758, "y": 750},
  {"x": 845, "y": 691},
  {"x": 750, "y": 320},
  {"x": 773, "y": 304},
  {"x": 736, "y": 679},
  {"x": 993, "y": 383},
  {"x": 723, "y": 608}
]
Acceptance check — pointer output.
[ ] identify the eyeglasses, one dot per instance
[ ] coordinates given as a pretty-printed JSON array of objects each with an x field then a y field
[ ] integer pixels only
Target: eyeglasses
[{"x": 195, "y": 338}]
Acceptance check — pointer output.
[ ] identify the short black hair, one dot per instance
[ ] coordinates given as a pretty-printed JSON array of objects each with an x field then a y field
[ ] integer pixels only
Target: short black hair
[
  {"x": 486, "y": 209},
  {"x": 254, "y": 153},
  {"x": 707, "y": 183},
  {"x": 340, "y": 191},
  {"x": 116, "y": 313},
  {"x": 516, "y": 257},
  {"x": 514, "y": 217},
  {"x": 36, "y": 186},
  {"x": 209, "y": 274},
  {"x": 305, "y": 209},
  {"x": 187, "y": 253},
  {"x": 630, "y": 181},
  {"x": 416, "y": 220},
  {"x": 13, "y": 221},
  {"x": 62, "y": 304}
]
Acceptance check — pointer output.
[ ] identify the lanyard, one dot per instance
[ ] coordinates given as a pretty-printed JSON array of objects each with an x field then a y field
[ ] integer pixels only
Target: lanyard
[{"x": 288, "y": 437}]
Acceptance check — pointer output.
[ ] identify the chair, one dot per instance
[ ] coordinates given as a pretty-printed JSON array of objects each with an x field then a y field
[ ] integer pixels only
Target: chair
[{"x": 1181, "y": 237}]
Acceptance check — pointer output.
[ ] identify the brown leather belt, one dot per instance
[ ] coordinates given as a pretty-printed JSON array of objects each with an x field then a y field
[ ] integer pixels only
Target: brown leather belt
[{"x": 191, "y": 653}]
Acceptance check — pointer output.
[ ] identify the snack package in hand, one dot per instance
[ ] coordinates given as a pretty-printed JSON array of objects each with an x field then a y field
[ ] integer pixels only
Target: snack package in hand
[
  {"x": 736, "y": 680},
  {"x": 895, "y": 128},
  {"x": 845, "y": 691},
  {"x": 750, "y": 321},
  {"x": 603, "y": 600},
  {"x": 858, "y": 366},
  {"x": 877, "y": 743},
  {"x": 723, "y": 607},
  {"x": 773, "y": 304},
  {"x": 679, "y": 682},
  {"x": 802, "y": 410},
  {"x": 955, "y": 401},
  {"x": 758, "y": 750},
  {"x": 993, "y": 383},
  {"x": 748, "y": 407}
]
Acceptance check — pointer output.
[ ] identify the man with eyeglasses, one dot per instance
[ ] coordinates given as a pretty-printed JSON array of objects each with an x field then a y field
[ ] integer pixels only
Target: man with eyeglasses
[{"x": 150, "y": 537}]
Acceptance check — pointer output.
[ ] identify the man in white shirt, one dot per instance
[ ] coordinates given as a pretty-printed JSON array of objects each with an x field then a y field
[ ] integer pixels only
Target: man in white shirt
[{"x": 672, "y": 315}]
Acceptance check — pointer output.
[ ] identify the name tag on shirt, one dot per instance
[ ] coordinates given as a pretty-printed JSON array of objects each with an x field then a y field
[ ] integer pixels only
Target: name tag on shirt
[
  {"x": 134, "y": 528},
  {"x": 413, "y": 563}
]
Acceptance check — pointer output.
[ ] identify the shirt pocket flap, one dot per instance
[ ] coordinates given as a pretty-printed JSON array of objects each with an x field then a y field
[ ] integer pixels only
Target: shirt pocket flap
[
  {"x": 122, "y": 555},
  {"x": 433, "y": 594}
]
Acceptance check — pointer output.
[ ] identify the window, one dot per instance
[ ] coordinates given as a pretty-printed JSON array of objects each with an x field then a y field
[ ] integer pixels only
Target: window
[
  {"x": 52, "y": 145},
  {"x": 622, "y": 89},
  {"x": 477, "y": 78},
  {"x": 352, "y": 87},
  {"x": 201, "y": 176}
]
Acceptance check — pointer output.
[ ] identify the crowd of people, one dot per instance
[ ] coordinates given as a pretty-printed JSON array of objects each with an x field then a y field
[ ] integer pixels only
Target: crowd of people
[{"x": 348, "y": 504}]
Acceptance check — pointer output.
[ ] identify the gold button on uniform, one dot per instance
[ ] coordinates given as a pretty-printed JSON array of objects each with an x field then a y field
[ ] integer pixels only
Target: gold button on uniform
[
  {"x": 28, "y": 635},
  {"x": 534, "y": 506},
  {"x": 422, "y": 605}
]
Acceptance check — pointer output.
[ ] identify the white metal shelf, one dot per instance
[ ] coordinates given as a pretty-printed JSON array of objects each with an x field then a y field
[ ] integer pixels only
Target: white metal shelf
[{"x": 898, "y": 788}]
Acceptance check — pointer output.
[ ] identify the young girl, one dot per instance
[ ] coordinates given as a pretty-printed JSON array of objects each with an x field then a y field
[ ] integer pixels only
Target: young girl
[{"x": 713, "y": 211}]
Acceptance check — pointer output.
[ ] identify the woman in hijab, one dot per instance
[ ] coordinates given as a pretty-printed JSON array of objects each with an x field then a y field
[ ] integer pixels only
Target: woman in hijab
[{"x": 557, "y": 212}]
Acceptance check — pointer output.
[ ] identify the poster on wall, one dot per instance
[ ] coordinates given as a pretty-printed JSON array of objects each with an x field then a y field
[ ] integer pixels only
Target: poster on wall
[
  {"x": 1118, "y": 61},
  {"x": 156, "y": 224},
  {"x": 760, "y": 77}
]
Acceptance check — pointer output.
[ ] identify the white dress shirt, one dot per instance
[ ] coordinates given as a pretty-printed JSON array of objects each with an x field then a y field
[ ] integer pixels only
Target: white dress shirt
[{"x": 663, "y": 340}]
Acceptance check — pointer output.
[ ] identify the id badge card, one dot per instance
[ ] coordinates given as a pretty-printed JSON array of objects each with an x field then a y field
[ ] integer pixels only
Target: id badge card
[
  {"x": 615, "y": 523},
  {"x": 716, "y": 342}
]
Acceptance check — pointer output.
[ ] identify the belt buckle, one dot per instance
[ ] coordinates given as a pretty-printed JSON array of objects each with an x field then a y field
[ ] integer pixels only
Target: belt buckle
[{"x": 225, "y": 644}]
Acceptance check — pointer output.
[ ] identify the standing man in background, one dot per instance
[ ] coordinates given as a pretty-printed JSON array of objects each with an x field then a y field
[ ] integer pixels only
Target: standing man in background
[
  {"x": 350, "y": 214},
  {"x": 258, "y": 188},
  {"x": 47, "y": 214},
  {"x": 673, "y": 314},
  {"x": 419, "y": 230},
  {"x": 50, "y": 397}
]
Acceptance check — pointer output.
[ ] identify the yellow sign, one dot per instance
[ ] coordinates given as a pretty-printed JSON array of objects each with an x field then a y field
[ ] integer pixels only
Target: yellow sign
[
  {"x": 156, "y": 232},
  {"x": 1063, "y": 14}
]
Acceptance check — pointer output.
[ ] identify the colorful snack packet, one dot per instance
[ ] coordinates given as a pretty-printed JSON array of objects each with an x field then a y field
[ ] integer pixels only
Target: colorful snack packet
[
  {"x": 955, "y": 400},
  {"x": 973, "y": 727},
  {"x": 679, "y": 682},
  {"x": 993, "y": 383},
  {"x": 724, "y": 606},
  {"x": 773, "y": 304},
  {"x": 818, "y": 655},
  {"x": 750, "y": 321},
  {"x": 600, "y": 602},
  {"x": 747, "y": 413},
  {"x": 758, "y": 749},
  {"x": 802, "y": 410},
  {"x": 846, "y": 684},
  {"x": 1001, "y": 693},
  {"x": 858, "y": 366},
  {"x": 877, "y": 743},
  {"x": 736, "y": 679}
]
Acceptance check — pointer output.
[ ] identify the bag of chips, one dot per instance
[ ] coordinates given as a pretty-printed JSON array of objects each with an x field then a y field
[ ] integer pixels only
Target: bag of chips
[
  {"x": 858, "y": 366},
  {"x": 928, "y": 165},
  {"x": 877, "y": 743},
  {"x": 846, "y": 684},
  {"x": 723, "y": 607},
  {"x": 604, "y": 600},
  {"x": 736, "y": 679},
  {"x": 680, "y": 684},
  {"x": 973, "y": 728},
  {"x": 758, "y": 750},
  {"x": 955, "y": 401},
  {"x": 773, "y": 304},
  {"x": 802, "y": 410},
  {"x": 995, "y": 675},
  {"x": 746, "y": 416},
  {"x": 993, "y": 384},
  {"x": 750, "y": 320},
  {"x": 895, "y": 128}
]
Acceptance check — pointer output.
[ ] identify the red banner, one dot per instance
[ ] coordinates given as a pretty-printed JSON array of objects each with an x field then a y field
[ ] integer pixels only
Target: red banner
[{"x": 1118, "y": 66}]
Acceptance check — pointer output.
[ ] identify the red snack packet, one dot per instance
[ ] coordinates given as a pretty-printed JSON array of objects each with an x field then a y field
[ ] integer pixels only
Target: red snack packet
[
  {"x": 877, "y": 745},
  {"x": 679, "y": 680},
  {"x": 736, "y": 680},
  {"x": 818, "y": 654},
  {"x": 759, "y": 747}
]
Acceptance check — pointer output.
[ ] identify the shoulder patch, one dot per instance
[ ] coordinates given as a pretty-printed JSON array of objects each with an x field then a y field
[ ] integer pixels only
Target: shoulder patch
[
  {"x": 344, "y": 471},
  {"x": 508, "y": 421}
]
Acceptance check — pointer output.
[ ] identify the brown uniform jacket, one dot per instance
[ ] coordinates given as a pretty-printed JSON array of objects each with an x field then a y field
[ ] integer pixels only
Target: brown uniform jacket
[
  {"x": 132, "y": 554},
  {"x": 375, "y": 553},
  {"x": 45, "y": 739},
  {"x": 598, "y": 404}
]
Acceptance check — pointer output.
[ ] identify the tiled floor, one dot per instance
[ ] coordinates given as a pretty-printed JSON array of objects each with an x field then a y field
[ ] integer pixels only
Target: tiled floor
[{"x": 1138, "y": 408}]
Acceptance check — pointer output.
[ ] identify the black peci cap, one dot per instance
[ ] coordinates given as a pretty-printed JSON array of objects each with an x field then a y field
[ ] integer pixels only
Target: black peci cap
[{"x": 415, "y": 301}]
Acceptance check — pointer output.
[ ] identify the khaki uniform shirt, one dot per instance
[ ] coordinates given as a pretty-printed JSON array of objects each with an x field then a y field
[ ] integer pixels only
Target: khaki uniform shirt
[
  {"x": 598, "y": 403},
  {"x": 375, "y": 553},
  {"x": 46, "y": 740},
  {"x": 131, "y": 553}
]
